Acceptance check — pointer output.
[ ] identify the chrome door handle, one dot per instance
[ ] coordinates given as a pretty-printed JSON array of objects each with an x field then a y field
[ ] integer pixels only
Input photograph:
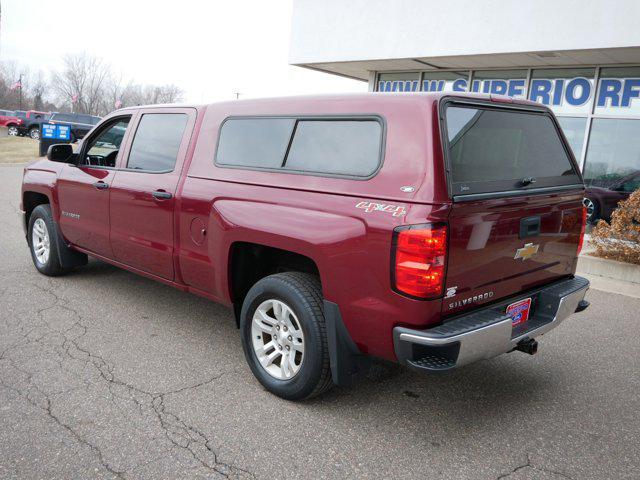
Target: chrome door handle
[
  {"x": 161, "y": 195},
  {"x": 101, "y": 185}
]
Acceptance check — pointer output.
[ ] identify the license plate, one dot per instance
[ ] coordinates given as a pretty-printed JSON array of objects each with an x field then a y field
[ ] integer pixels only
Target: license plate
[{"x": 519, "y": 311}]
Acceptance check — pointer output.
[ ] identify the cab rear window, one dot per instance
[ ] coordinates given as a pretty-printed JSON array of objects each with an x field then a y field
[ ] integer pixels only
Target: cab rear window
[{"x": 497, "y": 149}]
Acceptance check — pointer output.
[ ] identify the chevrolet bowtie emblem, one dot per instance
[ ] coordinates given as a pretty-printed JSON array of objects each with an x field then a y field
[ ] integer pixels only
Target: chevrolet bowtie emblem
[{"x": 526, "y": 252}]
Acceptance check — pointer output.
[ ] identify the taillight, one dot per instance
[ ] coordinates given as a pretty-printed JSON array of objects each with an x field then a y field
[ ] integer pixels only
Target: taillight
[
  {"x": 419, "y": 259},
  {"x": 582, "y": 228}
]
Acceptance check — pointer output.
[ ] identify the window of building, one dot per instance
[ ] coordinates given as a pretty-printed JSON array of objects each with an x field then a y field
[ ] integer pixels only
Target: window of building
[
  {"x": 568, "y": 91},
  {"x": 157, "y": 142},
  {"x": 254, "y": 142},
  {"x": 512, "y": 83},
  {"x": 445, "y": 81},
  {"x": 399, "y": 82},
  {"x": 613, "y": 155},
  {"x": 343, "y": 147},
  {"x": 574, "y": 129},
  {"x": 618, "y": 92}
]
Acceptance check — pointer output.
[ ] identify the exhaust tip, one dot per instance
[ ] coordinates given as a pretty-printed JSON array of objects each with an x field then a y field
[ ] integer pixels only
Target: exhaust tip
[{"x": 529, "y": 346}]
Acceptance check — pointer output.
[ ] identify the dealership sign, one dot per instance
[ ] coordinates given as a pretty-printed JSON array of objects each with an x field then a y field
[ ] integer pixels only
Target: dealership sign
[
  {"x": 565, "y": 95},
  {"x": 56, "y": 131}
]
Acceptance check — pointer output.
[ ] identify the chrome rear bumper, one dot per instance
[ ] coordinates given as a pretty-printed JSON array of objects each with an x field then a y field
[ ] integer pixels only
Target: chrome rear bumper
[{"x": 487, "y": 332}]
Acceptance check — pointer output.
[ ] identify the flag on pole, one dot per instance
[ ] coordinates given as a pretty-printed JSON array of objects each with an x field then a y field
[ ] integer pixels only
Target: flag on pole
[
  {"x": 118, "y": 104},
  {"x": 74, "y": 98},
  {"x": 17, "y": 85}
]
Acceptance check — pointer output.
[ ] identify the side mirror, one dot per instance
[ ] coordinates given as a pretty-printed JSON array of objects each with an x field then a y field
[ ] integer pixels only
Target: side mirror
[{"x": 60, "y": 152}]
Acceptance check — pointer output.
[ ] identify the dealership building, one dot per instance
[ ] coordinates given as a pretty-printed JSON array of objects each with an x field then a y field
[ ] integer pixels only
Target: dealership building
[{"x": 581, "y": 58}]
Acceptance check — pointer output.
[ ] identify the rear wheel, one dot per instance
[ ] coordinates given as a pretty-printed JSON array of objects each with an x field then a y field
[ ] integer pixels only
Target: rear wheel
[
  {"x": 12, "y": 131},
  {"x": 35, "y": 133},
  {"x": 284, "y": 335},
  {"x": 43, "y": 242}
]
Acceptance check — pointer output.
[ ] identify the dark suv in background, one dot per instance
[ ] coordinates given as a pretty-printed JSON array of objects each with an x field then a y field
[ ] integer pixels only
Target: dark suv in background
[
  {"x": 31, "y": 121},
  {"x": 80, "y": 123}
]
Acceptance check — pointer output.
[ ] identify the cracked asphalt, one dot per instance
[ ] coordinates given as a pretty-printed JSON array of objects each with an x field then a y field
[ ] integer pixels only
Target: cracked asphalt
[{"x": 104, "y": 374}]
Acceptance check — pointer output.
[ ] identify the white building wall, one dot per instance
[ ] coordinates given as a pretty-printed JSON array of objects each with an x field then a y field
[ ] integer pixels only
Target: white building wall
[{"x": 346, "y": 30}]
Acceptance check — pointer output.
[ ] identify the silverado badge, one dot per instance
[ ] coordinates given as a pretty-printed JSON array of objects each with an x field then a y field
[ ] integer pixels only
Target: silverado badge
[{"x": 526, "y": 252}]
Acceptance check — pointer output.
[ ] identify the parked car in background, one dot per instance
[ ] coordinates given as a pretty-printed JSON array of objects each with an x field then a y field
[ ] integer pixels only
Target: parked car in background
[
  {"x": 31, "y": 120},
  {"x": 80, "y": 123},
  {"x": 601, "y": 200},
  {"x": 9, "y": 119}
]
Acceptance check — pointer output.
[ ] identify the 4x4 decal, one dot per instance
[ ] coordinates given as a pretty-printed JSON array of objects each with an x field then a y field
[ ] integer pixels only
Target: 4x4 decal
[{"x": 369, "y": 207}]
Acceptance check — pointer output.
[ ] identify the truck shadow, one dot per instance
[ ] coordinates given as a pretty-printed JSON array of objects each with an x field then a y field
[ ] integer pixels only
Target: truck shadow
[{"x": 475, "y": 396}]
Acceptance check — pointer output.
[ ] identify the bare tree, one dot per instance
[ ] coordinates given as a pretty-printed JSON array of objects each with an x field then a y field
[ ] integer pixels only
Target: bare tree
[
  {"x": 85, "y": 85},
  {"x": 152, "y": 94},
  {"x": 37, "y": 90},
  {"x": 81, "y": 83}
]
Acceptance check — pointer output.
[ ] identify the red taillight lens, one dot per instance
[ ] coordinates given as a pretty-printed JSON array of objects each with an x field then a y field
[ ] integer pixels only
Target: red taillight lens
[
  {"x": 582, "y": 228},
  {"x": 420, "y": 259}
]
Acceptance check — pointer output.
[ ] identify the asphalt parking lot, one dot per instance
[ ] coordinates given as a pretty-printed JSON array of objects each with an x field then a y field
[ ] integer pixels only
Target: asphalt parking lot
[{"x": 104, "y": 374}]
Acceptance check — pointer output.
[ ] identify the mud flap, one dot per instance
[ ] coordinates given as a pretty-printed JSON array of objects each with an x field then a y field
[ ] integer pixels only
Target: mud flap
[
  {"x": 69, "y": 258},
  {"x": 347, "y": 363}
]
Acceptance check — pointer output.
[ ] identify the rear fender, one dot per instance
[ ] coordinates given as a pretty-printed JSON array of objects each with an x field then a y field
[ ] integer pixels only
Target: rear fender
[
  {"x": 315, "y": 234},
  {"x": 312, "y": 233}
]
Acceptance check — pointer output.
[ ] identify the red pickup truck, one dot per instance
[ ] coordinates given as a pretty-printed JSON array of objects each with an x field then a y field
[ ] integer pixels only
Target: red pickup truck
[
  {"x": 433, "y": 230},
  {"x": 8, "y": 119}
]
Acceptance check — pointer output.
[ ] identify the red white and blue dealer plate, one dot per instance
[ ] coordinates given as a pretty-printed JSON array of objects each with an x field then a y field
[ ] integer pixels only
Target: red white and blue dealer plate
[{"x": 519, "y": 311}]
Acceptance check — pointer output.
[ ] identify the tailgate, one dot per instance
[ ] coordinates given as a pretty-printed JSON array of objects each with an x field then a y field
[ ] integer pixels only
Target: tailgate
[
  {"x": 501, "y": 247},
  {"x": 516, "y": 219}
]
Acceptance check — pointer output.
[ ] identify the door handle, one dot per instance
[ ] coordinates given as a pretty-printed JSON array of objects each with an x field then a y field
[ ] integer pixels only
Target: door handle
[
  {"x": 101, "y": 185},
  {"x": 161, "y": 195},
  {"x": 529, "y": 227}
]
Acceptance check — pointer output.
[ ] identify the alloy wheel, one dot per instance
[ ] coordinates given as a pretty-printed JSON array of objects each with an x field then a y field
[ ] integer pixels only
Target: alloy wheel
[
  {"x": 40, "y": 241},
  {"x": 12, "y": 131},
  {"x": 277, "y": 338},
  {"x": 590, "y": 206}
]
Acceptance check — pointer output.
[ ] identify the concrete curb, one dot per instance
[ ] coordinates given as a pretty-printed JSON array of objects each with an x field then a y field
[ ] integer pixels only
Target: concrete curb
[{"x": 612, "y": 269}]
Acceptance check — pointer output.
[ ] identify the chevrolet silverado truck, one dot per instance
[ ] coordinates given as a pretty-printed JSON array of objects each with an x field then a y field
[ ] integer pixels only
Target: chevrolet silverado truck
[{"x": 434, "y": 230}]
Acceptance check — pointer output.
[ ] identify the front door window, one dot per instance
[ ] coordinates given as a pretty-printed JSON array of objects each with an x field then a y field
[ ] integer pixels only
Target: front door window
[{"x": 102, "y": 149}]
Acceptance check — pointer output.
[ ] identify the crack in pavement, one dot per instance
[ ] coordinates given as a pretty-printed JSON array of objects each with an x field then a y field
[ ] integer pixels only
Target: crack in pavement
[
  {"x": 177, "y": 431},
  {"x": 528, "y": 464}
]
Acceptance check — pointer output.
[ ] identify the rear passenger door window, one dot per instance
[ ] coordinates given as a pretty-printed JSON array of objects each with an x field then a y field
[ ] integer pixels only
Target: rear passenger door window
[
  {"x": 157, "y": 141},
  {"x": 323, "y": 146}
]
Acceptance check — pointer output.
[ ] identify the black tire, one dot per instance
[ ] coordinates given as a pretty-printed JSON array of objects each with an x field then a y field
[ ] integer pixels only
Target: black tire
[
  {"x": 303, "y": 294},
  {"x": 34, "y": 133},
  {"x": 52, "y": 267}
]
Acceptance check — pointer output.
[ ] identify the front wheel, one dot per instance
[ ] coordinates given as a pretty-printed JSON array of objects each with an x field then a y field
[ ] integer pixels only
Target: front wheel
[
  {"x": 43, "y": 242},
  {"x": 34, "y": 133},
  {"x": 284, "y": 335},
  {"x": 12, "y": 131}
]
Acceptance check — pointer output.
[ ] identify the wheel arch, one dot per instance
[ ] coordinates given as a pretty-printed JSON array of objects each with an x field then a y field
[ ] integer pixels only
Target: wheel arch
[
  {"x": 30, "y": 200},
  {"x": 248, "y": 262}
]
